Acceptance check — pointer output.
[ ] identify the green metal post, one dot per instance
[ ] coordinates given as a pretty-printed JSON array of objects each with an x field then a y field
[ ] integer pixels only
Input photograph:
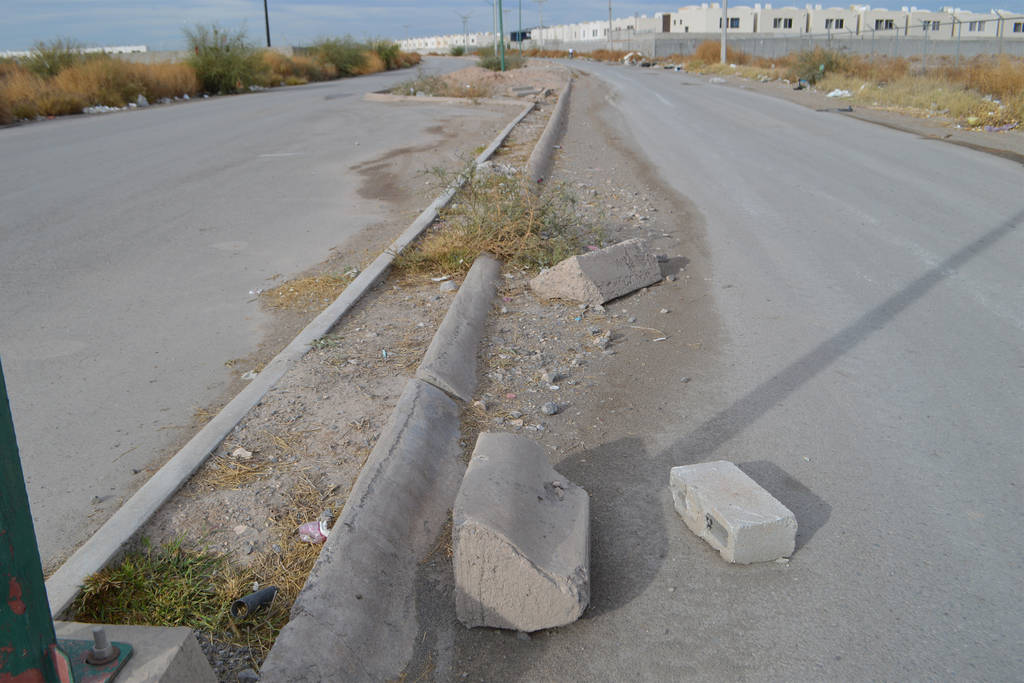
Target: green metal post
[
  {"x": 501, "y": 34},
  {"x": 26, "y": 630}
]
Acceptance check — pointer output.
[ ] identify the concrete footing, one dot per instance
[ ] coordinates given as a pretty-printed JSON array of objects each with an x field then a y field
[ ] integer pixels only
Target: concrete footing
[
  {"x": 521, "y": 538},
  {"x": 732, "y": 512},
  {"x": 159, "y": 654}
]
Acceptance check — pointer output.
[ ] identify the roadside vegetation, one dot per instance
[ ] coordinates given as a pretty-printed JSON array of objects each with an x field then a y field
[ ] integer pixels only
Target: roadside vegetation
[
  {"x": 58, "y": 79},
  {"x": 498, "y": 214},
  {"x": 187, "y": 584},
  {"x": 981, "y": 91}
]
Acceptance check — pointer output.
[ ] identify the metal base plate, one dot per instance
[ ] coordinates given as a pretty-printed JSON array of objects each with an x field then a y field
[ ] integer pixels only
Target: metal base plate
[{"x": 74, "y": 653}]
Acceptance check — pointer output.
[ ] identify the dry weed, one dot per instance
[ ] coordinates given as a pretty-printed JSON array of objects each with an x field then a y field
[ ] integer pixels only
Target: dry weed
[{"x": 307, "y": 294}]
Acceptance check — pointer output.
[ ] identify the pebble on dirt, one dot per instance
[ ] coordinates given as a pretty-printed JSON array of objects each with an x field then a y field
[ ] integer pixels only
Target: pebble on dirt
[{"x": 549, "y": 408}]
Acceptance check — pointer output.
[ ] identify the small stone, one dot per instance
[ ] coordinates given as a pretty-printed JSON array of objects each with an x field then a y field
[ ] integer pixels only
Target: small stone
[
  {"x": 248, "y": 676},
  {"x": 523, "y": 635},
  {"x": 632, "y": 319},
  {"x": 549, "y": 408},
  {"x": 241, "y": 454},
  {"x": 448, "y": 286},
  {"x": 663, "y": 311},
  {"x": 515, "y": 414},
  {"x": 685, "y": 380},
  {"x": 671, "y": 278},
  {"x": 662, "y": 258},
  {"x": 603, "y": 341},
  {"x": 551, "y": 376},
  {"x": 595, "y": 330}
]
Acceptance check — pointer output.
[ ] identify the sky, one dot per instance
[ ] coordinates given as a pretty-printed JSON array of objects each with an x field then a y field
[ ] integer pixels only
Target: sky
[{"x": 158, "y": 24}]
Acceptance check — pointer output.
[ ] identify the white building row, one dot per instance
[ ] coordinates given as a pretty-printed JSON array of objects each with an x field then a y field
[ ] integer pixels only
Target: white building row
[
  {"x": 949, "y": 23},
  {"x": 110, "y": 50},
  {"x": 855, "y": 19}
]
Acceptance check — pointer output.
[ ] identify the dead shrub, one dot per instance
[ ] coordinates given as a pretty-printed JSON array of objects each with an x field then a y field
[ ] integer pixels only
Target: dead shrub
[{"x": 372, "y": 63}]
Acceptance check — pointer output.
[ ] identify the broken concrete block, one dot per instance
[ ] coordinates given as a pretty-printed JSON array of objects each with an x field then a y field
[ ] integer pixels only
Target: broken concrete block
[
  {"x": 521, "y": 538},
  {"x": 601, "y": 275},
  {"x": 732, "y": 512}
]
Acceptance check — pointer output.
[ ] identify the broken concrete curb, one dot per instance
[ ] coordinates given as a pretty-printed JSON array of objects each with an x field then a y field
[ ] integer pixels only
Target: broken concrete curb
[
  {"x": 450, "y": 360},
  {"x": 731, "y": 511},
  {"x": 93, "y": 555},
  {"x": 601, "y": 275},
  {"x": 521, "y": 537},
  {"x": 538, "y": 166},
  {"x": 355, "y": 618}
]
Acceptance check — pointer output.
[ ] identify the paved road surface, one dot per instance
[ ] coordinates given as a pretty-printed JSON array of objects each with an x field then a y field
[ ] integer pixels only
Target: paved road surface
[
  {"x": 870, "y": 290},
  {"x": 128, "y": 246}
]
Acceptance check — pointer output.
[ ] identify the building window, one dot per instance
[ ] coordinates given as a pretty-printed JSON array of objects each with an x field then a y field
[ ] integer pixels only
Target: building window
[
  {"x": 787, "y": 23},
  {"x": 840, "y": 22},
  {"x": 734, "y": 22},
  {"x": 981, "y": 25},
  {"x": 776, "y": 22},
  {"x": 1018, "y": 27},
  {"x": 884, "y": 24},
  {"x": 935, "y": 26}
]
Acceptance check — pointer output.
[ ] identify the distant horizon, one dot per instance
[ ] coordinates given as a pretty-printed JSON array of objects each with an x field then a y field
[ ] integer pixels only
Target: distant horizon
[{"x": 159, "y": 24}]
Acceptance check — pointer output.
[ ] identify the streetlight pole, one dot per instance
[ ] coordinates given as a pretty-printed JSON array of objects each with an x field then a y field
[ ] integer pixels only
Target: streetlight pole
[
  {"x": 540, "y": 4},
  {"x": 465, "y": 31},
  {"x": 725, "y": 26},
  {"x": 609, "y": 25},
  {"x": 520, "y": 28},
  {"x": 501, "y": 34},
  {"x": 266, "y": 20}
]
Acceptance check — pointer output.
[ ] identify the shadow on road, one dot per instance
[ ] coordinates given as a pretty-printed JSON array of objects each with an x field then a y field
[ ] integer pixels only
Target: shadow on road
[{"x": 730, "y": 422}]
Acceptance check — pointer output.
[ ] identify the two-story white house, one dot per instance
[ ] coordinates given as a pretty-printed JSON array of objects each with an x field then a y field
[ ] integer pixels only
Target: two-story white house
[
  {"x": 707, "y": 18},
  {"x": 781, "y": 19},
  {"x": 832, "y": 19}
]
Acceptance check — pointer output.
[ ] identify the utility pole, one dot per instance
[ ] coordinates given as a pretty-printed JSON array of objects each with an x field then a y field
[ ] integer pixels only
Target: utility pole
[
  {"x": 609, "y": 25},
  {"x": 540, "y": 4},
  {"x": 725, "y": 26},
  {"x": 501, "y": 34},
  {"x": 465, "y": 31},
  {"x": 266, "y": 19},
  {"x": 520, "y": 28}
]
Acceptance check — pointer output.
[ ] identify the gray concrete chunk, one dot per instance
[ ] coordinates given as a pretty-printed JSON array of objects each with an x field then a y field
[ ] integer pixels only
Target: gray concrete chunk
[
  {"x": 732, "y": 512},
  {"x": 601, "y": 275},
  {"x": 450, "y": 361},
  {"x": 521, "y": 539}
]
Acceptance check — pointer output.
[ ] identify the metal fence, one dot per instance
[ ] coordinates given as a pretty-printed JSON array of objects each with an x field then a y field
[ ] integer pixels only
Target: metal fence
[{"x": 950, "y": 39}]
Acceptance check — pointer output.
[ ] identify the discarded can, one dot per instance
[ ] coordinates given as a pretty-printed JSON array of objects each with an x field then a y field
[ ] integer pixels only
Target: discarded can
[
  {"x": 316, "y": 532},
  {"x": 244, "y": 607}
]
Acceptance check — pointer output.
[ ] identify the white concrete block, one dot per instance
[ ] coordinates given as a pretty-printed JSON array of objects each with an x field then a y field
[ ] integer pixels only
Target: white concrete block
[
  {"x": 601, "y": 275},
  {"x": 732, "y": 512},
  {"x": 521, "y": 538}
]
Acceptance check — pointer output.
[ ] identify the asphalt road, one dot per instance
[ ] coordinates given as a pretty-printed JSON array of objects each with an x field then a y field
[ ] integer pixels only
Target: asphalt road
[
  {"x": 869, "y": 371},
  {"x": 129, "y": 244}
]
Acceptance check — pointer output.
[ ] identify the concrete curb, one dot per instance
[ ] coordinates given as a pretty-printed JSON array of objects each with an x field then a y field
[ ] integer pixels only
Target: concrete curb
[
  {"x": 389, "y": 97},
  {"x": 541, "y": 160},
  {"x": 63, "y": 586},
  {"x": 355, "y": 618},
  {"x": 450, "y": 361}
]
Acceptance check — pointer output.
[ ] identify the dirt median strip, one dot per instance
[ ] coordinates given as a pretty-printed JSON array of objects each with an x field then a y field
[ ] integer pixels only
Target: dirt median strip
[
  {"x": 360, "y": 591},
  {"x": 63, "y": 586}
]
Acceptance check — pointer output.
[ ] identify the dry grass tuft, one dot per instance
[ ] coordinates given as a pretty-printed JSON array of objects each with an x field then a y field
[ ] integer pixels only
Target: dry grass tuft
[
  {"x": 440, "y": 86},
  {"x": 372, "y": 63},
  {"x": 181, "y": 585},
  {"x": 307, "y": 294},
  {"x": 501, "y": 216}
]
